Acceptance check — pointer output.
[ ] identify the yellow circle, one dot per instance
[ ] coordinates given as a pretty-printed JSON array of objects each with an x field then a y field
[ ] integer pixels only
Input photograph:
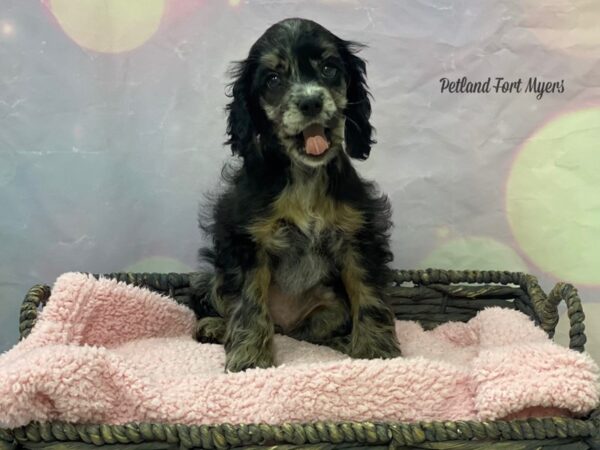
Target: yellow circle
[
  {"x": 553, "y": 197},
  {"x": 478, "y": 252},
  {"x": 109, "y": 26},
  {"x": 8, "y": 29}
]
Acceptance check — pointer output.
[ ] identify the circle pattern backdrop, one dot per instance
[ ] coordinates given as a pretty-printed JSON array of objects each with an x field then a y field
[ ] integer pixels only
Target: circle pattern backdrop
[
  {"x": 109, "y": 26},
  {"x": 570, "y": 26},
  {"x": 553, "y": 197},
  {"x": 474, "y": 252}
]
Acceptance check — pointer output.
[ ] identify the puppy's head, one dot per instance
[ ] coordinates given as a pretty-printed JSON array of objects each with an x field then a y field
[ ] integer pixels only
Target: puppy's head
[{"x": 304, "y": 88}]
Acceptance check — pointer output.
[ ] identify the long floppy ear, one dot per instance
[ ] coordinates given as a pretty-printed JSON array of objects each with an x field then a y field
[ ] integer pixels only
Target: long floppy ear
[
  {"x": 240, "y": 127},
  {"x": 358, "y": 132}
]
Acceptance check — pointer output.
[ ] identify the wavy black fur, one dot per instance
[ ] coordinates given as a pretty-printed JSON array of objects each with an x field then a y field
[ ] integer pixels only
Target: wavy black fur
[{"x": 266, "y": 171}]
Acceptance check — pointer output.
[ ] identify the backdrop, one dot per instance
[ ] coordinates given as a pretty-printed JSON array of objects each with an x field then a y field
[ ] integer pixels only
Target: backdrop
[{"x": 112, "y": 123}]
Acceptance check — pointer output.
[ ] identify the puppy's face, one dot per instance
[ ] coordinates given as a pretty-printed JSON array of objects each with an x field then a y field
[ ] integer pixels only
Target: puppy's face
[
  {"x": 301, "y": 84},
  {"x": 304, "y": 87}
]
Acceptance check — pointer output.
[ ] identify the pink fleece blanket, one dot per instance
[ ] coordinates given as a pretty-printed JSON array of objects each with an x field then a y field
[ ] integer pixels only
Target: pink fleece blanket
[{"x": 106, "y": 352}]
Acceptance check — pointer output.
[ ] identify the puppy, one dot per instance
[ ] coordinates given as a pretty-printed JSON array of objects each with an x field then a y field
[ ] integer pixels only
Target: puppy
[{"x": 300, "y": 241}]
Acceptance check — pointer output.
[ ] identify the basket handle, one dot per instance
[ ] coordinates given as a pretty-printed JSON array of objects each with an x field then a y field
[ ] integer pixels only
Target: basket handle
[
  {"x": 36, "y": 297},
  {"x": 549, "y": 314}
]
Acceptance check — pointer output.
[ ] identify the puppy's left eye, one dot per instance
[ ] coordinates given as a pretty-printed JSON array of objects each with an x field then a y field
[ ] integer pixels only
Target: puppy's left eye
[
  {"x": 328, "y": 71},
  {"x": 273, "y": 80}
]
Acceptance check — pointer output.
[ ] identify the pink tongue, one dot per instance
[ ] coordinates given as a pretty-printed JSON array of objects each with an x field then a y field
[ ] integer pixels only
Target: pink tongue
[{"x": 315, "y": 142}]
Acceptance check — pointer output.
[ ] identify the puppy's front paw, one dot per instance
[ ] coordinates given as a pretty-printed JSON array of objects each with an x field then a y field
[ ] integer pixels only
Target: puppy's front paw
[
  {"x": 244, "y": 357},
  {"x": 211, "y": 330}
]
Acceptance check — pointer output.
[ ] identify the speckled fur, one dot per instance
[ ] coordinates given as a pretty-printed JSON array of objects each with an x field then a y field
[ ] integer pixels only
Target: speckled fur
[{"x": 300, "y": 244}]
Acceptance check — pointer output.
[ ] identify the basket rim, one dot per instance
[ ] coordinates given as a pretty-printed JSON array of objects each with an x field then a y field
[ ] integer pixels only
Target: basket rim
[
  {"x": 227, "y": 435},
  {"x": 544, "y": 306}
]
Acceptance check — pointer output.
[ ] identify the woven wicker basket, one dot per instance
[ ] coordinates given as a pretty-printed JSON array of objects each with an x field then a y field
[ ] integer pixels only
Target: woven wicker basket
[{"x": 431, "y": 297}]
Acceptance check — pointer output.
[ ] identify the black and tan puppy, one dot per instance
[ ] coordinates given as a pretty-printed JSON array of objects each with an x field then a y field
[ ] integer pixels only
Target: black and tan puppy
[{"x": 300, "y": 241}]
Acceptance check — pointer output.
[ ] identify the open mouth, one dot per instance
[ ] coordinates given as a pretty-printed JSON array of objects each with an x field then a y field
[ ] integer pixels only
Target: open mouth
[{"x": 315, "y": 139}]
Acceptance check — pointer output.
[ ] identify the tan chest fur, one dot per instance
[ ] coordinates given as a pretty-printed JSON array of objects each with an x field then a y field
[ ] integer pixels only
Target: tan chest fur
[
  {"x": 303, "y": 231},
  {"x": 305, "y": 205}
]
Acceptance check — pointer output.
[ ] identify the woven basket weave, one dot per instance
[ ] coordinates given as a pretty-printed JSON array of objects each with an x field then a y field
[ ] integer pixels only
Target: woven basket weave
[{"x": 431, "y": 297}]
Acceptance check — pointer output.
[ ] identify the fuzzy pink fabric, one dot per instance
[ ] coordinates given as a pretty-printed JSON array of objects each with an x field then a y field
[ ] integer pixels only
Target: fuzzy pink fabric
[{"x": 106, "y": 352}]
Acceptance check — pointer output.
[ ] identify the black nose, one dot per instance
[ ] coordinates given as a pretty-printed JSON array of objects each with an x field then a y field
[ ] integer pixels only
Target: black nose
[{"x": 311, "y": 106}]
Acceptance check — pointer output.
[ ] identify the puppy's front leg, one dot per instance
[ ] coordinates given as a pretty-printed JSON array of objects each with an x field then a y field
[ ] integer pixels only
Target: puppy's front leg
[
  {"x": 373, "y": 333},
  {"x": 249, "y": 335}
]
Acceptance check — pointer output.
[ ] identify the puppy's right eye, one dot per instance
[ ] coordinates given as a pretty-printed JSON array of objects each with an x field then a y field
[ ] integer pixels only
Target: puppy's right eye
[
  {"x": 329, "y": 71},
  {"x": 273, "y": 80}
]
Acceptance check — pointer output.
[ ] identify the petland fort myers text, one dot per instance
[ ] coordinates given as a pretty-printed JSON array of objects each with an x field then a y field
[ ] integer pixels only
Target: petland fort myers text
[{"x": 501, "y": 85}]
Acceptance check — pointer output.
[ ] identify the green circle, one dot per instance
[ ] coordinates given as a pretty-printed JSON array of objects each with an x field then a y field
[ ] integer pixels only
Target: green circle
[
  {"x": 478, "y": 252},
  {"x": 553, "y": 197}
]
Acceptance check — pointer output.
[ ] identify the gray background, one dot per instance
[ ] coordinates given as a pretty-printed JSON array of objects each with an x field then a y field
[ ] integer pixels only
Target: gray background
[{"x": 108, "y": 141}]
